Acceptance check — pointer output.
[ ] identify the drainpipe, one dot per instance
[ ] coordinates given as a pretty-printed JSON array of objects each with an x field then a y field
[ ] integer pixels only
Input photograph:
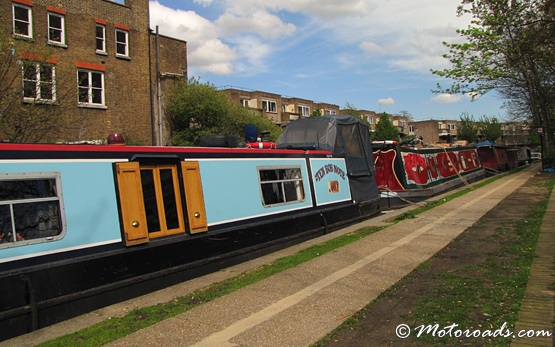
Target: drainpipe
[{"x": 159, "y": 90}]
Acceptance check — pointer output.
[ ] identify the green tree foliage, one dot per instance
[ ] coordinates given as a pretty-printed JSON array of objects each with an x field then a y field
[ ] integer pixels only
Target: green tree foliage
[
  {"x": 509, "y": 48},
  {"x": 490, "y": 128},
  {"x": 534, "y": 139},
  {"x": 316, "y": 113},
  {"x": 385, "y": 130},
  {"x": 468, "y": 128},
  {"x": 351, "y": 110},
  {"x": 195, "y": 109}
]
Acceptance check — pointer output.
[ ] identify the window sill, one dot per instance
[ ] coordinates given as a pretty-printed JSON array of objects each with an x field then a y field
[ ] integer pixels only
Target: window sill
[
  {"x": 39, "y": 101},
  {"x": 124, "y": 57},
  {"x": 57, "y": 44},
  {"x": 23, "y": 37},
  {"x": 102, "y": 53},
  {"x": 93, "y": 106}
]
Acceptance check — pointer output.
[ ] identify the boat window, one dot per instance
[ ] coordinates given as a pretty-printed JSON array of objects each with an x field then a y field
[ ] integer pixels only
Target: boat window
[
  {"x": 31, "y": 209},
  {"x": 351, "y": 141},
  {"x": 161, "y": 197},
  {"x": 463, "y": 161},
  {"x": 281, "y": 185},
  {"x": 474, "y": 159}
]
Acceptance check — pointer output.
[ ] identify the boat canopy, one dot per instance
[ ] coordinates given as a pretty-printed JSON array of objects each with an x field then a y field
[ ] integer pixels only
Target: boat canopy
[{"x": 346, "y": 137}]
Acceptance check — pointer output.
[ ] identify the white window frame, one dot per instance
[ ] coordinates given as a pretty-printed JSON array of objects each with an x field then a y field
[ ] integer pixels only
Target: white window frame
[
  {"x": 304, "y": 110},
  {"x": 269, "y": 106},
  {"x": 90, "y": 89},
  {"x": 29, "y": 23},
  {"x": 62, "y": 30},
  {"x": 451, "y": 126},
  {"x": 124, "y": 44},
  {"x": 289, "y": 190},
  {"x": 17, "y": 240},
  {"x": 40, "y": 81},
  {"x": 101, "y": 39}
]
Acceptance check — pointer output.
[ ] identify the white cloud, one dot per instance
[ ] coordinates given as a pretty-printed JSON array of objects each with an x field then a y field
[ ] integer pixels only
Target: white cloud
[
  {"x": 213, "y": 56},
  {"x": 447, "y": 98},
  {"x": 322, "y": 9},
  {"x": 262, "y": 23},
  {"x": 203, "y": 2},
  {"x": 372, "y": 48},
  {"x": 206, "y": 52},
  {"x": 386, "y": 102}
]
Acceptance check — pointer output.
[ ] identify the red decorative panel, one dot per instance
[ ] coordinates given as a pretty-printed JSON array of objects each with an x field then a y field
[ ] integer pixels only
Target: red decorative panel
[
  {"x": 385, "y": 170},
  {"x": 415, "y": 168}
]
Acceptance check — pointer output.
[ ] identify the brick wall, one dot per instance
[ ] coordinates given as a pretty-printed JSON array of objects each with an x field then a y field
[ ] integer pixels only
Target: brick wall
[
  {"x": 172, "y": 67},
  {"x": 127, "y": 80}
]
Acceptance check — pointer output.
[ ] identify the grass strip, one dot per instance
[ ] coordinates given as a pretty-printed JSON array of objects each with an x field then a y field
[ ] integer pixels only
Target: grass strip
[{"x": 137, "y": 319}]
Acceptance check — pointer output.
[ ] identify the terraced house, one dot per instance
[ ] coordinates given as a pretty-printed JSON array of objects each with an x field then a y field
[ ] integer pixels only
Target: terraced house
[{"x": 114, "y": 67}]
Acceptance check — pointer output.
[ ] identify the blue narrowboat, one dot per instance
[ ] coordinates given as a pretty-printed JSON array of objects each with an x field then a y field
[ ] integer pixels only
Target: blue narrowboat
[{"x": 84, "y": 226}]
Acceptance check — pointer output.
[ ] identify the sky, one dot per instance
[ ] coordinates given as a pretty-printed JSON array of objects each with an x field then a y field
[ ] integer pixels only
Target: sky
[{"x": 369, "y": 54}]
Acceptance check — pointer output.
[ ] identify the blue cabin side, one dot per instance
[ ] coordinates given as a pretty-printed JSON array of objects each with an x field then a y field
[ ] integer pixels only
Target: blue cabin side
[{"x": 232, "y": 190}]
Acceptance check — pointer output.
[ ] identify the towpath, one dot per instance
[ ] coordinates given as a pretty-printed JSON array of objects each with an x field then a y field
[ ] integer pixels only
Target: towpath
[{"x": 299, "y": 306}]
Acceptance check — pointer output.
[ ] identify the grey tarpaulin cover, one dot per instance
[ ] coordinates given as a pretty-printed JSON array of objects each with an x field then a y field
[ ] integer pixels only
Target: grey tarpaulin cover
[{"x": 347, "y": 137}]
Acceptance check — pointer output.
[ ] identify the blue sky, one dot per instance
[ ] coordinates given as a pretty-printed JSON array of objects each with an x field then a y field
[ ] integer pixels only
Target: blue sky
[{"x": 372, "y": 54}]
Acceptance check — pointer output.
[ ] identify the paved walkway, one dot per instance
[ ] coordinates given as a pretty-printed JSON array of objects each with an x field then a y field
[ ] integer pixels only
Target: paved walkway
[{"x": 299, "y": 306}]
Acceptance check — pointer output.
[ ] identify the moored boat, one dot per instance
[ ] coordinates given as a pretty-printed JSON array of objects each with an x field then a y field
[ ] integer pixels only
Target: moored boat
[
  {"x": 405, "y": 175},
  {"x": 84, "y": 226}
]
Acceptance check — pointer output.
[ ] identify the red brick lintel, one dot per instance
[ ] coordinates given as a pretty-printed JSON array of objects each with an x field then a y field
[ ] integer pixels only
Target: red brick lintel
[
  {"x": 100, "y": 21},
  {"x": 90, "y": 66},
  {"x": 37, "y": 57},
  {"x": 122, "y": 27},
  {"x": 24, "y": 2},
  {"x": 56, "y": 10}
]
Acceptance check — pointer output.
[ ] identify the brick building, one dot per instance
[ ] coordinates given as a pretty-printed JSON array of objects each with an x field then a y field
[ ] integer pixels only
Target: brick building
[
  {"x": 108, "y": 57},
  {"x": 434, "y": 131},
  {"x": 279, "y": 109}
]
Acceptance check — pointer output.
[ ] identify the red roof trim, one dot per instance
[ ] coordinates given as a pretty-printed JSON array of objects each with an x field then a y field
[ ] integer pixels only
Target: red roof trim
[{"x": 152, "y": 149}]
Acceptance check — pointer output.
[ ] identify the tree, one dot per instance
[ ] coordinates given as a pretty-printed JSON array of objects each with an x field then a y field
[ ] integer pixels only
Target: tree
[
  {"x": 195, "y": 109},
  {"x": 490, "y": 128},
  {"x": 32, "y": 107},
  {"x": 509, "y": 48},
  {"x": 316, "y": 113},
  {"x": 385, "y": 130},
  {"x": 468, "y": 128},
  {"x": 407, "y": 114},
  {"x": 351, "y": 110}
]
